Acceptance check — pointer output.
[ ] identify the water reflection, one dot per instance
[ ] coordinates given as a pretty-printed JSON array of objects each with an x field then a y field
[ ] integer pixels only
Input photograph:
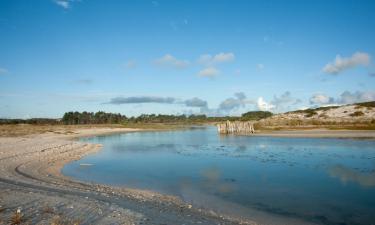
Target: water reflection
[
  {"x": 300, "y": 178},
  {"x": 346, "y": 174},
  {"x": 213, "y": 181}
]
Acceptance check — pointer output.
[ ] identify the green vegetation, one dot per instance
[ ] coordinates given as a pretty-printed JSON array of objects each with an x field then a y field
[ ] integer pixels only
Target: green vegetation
[
  {"x": 82, "y": 118},
  {"x": 256, "y": 115},
  {"x": 367, "y": 104},
  {"x": 312, "y": 112},
  {"x": 73, "y": 118},
  {"x": 35, "y": 121},
  {"x": 357, "y": 113}
]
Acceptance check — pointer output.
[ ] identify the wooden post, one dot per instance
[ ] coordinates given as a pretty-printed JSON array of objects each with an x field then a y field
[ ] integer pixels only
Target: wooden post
[{"x": 236, "y": 127}]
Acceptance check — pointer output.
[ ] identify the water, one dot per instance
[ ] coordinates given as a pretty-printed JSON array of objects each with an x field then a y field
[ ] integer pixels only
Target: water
[{"x": 325, "y": 181}]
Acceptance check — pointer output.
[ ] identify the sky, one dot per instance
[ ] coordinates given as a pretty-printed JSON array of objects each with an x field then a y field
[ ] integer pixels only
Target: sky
[{"x": 220, "y": 57}]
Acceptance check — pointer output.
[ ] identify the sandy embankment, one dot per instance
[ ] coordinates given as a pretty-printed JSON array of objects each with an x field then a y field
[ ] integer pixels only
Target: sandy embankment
[
  {"x": 318, "y": 133},
  {"x": 30, "y": 180}
]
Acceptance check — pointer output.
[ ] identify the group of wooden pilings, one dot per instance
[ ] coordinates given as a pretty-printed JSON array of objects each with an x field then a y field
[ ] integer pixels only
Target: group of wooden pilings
[{"x": 236, "y": 127}]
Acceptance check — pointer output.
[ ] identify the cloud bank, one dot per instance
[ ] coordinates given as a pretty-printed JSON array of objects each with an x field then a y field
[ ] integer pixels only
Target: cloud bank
[
  {"x": 346, "y": 97},
  {"x": 341, "y": 64},
  {"x": 141, "y": 99},
  {"x": 284, "y": 102},
  {"x": 233, "y": 103},
  {"x": 196, "y": 102},
  {"x": 321, "y": 99},
  {"x": 193, "y": 102}
]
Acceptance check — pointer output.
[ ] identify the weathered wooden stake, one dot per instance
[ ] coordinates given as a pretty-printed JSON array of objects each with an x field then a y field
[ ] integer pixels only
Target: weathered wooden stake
[{"x": 236, "y": 127}]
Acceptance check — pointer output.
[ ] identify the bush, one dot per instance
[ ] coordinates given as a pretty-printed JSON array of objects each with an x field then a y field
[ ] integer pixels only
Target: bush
[
  {"x": 256, "y": 115},
  {"x": 367, "y": 104},
  {"x": 357, "y": 113}
]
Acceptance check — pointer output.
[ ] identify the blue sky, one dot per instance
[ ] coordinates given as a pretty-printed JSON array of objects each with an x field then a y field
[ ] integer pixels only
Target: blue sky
[{"x": 174, "y": 57}]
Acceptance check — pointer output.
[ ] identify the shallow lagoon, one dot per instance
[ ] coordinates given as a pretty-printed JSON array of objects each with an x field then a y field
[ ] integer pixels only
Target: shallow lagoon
[{"x": 326, "y": 181}]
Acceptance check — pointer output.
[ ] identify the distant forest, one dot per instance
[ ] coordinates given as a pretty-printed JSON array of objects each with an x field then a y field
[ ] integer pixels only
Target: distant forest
[{"x": 74, "y": 118}]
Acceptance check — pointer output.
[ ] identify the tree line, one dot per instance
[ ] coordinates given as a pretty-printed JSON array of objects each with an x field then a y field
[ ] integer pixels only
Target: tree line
[{"x": 74, "y": 118}]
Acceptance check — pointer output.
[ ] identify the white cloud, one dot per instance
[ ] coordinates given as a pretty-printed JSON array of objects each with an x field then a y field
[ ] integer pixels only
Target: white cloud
[
  {"x": 359, "y": 96},
  {"x": 340, "y": 64},
  {"x": 209, "y": 72},
  {"x": 260, "y": 66},
  {"x": 195, "y": 102},
  {"x": 63, "y": 3},
  {"x": 3, "y": 71},
  {"x": 321, "y": 99},
  {"x": 223, "y": 57},
  {"x": 207, "y": 59},
  {"x": 284, "y": 102},
  {"x": 141, "y": 99},
  {"x": 346, "y": 97},
  {"x": 170, "y": 61},
  {"x": 263, "y": 105},
  {"x": 234, "y": 103}
]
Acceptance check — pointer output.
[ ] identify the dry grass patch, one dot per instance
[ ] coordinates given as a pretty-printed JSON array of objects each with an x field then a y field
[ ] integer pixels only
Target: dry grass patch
[
  {"x": 16, "y": 218},
  {"x": 58, "y": 220}
]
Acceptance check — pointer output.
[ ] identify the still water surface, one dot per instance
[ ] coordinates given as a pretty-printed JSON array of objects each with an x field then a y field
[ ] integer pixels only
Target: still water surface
[{"x": 325, "y": 181}]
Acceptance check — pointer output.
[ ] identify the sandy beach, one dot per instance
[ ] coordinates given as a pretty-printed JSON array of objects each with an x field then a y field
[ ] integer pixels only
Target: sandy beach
[{"x": 31, "y": 181}]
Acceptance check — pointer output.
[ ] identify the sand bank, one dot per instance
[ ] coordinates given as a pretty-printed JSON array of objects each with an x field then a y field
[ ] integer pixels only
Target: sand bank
[{"x": 318, "y": 133}]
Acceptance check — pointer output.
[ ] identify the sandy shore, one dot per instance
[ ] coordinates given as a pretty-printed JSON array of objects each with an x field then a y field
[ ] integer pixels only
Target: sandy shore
[
  {"x": 30, "y": 180},
  {"x": 319, "y": 133}
]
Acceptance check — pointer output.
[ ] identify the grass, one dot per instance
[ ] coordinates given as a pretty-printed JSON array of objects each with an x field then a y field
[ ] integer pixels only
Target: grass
[
  {"x": 314, "y": 111},
  {"x": 48, "y": 210},
  {"x": 62, "y": 221},
  {"x": 366, "y": 104},
  {"x": 16, "y": 218},
  {"x": 310, "y": 127},
  {"x": 314, "y": 124},
  {"x": 356, "y": 113},
  {"x": 161, "y": 126},
  {"x": 13, "y": 130}
]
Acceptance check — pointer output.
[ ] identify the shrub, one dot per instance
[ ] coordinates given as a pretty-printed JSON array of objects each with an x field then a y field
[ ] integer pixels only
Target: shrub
[
  {"x": 256, "y": 115},
  {"x": 357, "y": 113},
  {"x": 367, "y": 104}
]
